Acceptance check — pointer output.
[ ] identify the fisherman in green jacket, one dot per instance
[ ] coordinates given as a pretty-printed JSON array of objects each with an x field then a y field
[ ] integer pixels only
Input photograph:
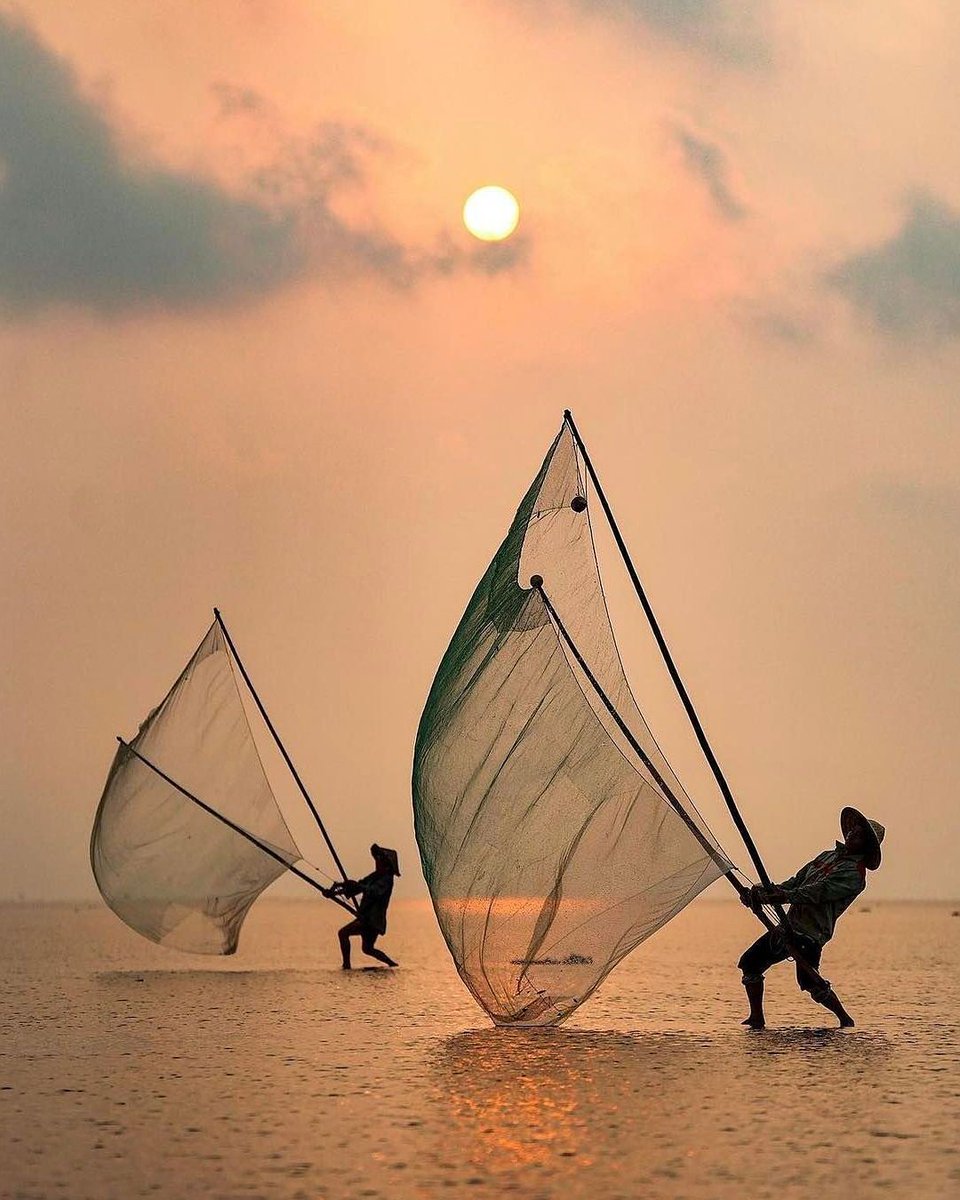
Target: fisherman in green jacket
[
  {"x": 374, "y": 891},
  {"x": 817, "y": 895}
]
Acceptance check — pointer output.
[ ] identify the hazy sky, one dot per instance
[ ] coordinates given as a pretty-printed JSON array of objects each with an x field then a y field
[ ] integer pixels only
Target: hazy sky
[{"x": 249, "y": 357}]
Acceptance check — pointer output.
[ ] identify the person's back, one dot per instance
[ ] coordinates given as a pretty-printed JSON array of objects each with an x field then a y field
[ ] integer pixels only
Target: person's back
[
  {"x": 823, "y": 890},
  {"x": 375, "y": 899}
]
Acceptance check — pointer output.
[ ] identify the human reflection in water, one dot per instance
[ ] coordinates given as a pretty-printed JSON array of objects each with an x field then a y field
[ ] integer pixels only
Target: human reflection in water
[{"x": 374, "y": 891}]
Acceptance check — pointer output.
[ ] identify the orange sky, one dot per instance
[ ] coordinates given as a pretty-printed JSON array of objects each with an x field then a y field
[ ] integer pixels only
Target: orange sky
[{"x": 738, "y": 263}]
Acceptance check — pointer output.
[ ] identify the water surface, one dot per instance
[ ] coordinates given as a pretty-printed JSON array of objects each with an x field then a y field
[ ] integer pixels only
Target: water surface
[{"x": 128, "y": 1071}]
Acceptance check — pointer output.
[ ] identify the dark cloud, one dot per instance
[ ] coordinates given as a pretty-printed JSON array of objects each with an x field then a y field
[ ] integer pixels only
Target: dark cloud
[
  {"x": 909, "y": 286},
  {"x": 496, "y": 258},
  {"x": 81, "y": 225},
  {"x": 728, "y": 30},
  {"x": 453, "y": 255},
  {"x": 708, "y": 162},
  {"x": 779, "y": 325},
  {"x": 936, "y": 506},
  {"x": 234, "y": 99}
]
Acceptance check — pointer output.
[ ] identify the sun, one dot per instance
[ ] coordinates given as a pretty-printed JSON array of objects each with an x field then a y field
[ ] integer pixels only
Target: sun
[{"x": 491, "y": 213}]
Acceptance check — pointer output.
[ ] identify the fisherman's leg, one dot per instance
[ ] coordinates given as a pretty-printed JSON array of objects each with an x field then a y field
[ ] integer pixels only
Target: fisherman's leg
[
  {"x": 755, "y": 1019},
  {"x": 821, "y": 991},
  {"x": 351, "y": 929},
  {"x": 764, "y": 952},
  {"x": 830, "y": 1000},
  {"x": 367, "y": 944}
]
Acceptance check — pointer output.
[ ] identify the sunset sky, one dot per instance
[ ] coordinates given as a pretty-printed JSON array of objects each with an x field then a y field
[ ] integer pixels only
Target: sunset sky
[{"x": 250, "y": 357}]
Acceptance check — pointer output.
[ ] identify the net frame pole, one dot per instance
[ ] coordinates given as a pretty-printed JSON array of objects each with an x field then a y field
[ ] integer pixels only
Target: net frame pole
[
  {"x": 280, "y": 746},
  {"x": 692, "y": 715},
  {"x": 236, "y": 828},
  {"x": 536, "y": 582},
  {"x": 671, "y": 665}
]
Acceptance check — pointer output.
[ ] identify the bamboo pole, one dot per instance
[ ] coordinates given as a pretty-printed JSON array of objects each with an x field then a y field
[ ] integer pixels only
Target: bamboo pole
[{"x": 263, "y": 846}]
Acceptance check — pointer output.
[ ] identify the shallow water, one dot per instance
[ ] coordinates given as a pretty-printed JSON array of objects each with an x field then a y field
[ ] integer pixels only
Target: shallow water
[{"x": 127, "y": 1070}]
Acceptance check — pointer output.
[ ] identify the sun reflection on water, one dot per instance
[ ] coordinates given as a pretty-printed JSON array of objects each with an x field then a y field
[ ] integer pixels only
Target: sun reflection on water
[{"x": 526, "y": 1097}]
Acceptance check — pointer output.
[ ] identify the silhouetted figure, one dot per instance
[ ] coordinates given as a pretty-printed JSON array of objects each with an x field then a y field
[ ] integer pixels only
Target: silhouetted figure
[
  {"x": 374, "y": 891},
  {"x": 817, "y": 895}
]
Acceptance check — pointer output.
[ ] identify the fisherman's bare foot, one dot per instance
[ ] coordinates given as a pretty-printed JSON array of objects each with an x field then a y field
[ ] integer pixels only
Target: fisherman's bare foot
[
  {"x": 754, "y": 1023},
  {"x": 847, "y": 1022},
  {"x": 345, "y": 967},
  {"x": 391, "y": 963}
]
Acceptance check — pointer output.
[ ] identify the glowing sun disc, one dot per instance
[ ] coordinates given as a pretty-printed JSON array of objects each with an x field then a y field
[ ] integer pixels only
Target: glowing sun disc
[{"x": 491, "y": 213}]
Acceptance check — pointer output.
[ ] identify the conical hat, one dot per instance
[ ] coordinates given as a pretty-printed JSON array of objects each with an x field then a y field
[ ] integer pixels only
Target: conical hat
[
  {"x": 850, "y": 817},
  {"x": 390, "y": 856}
]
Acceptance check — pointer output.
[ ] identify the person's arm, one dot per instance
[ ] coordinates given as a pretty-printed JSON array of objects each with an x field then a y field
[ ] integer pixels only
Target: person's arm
[
  {"x": 759, "y": 895},
  {"x": 344, "y": 887},
  {"x": 843, "y": 883},
  {"x": 796, "y": 880}
]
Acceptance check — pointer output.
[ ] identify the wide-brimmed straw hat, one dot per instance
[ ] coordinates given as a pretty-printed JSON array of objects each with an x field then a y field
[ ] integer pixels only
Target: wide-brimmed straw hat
[
  {"x": 390, "y": 856},
  {"x": 850, "y": 817}
]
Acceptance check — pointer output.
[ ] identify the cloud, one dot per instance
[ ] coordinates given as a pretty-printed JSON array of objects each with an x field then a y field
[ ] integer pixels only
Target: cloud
[
  {"x": 482, "y": 258},
  {"x": 909, "y": 286},
  {"x": 81, "y": 225},
  {"x": 933, "y": 505},
  {"x": 727, "y": 30},
  {"x": 778, "y": 324},
  {"x": 234, "y": 99},
  {"x": 707, "y": 161}
]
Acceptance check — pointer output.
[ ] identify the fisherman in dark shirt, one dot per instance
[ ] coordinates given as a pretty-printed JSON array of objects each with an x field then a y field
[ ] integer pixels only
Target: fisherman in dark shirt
[
  {"x": 374, "y": 891},
  {"x": 817, "y": 895}
]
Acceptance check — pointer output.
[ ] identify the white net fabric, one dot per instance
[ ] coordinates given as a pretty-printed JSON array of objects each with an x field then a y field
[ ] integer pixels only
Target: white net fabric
[
  {"x": 171, "y": 871},
  {"x": 550, "y": 850}
]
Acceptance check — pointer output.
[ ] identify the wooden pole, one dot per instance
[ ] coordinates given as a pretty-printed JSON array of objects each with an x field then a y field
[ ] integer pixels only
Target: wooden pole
[
  {"x": 280, "y": 746},
  {"x": 671, "y": 666},
  {"x": 536, "y": 582},
  {"x": 236, "y": 828}
]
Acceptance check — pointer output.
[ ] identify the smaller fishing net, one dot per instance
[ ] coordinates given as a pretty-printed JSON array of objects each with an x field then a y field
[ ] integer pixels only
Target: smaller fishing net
[{"x": 170, "y": 870}]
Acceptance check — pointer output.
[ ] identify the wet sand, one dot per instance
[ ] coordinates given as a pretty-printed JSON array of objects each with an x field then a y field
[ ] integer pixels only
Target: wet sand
[{"x": 127, "y": 1070}]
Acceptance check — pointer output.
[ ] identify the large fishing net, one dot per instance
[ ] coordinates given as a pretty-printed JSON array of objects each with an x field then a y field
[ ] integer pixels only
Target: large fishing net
[
  {"x": 550, "y": 847},
  {"x": 170, "y": 870}
]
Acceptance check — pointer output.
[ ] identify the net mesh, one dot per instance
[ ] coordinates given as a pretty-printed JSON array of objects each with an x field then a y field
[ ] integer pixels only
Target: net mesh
[
  {"x": 549, "y": 848},
  {"x": 171, "y": 871}
]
